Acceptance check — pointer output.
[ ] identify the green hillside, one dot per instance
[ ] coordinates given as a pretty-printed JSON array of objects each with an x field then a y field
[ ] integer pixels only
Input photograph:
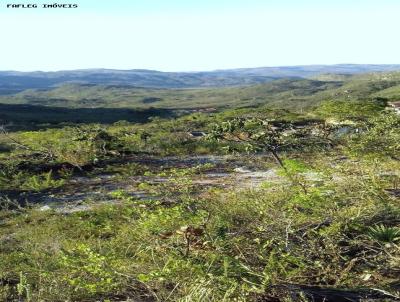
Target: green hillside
[
  {"x": 15, "y": 81},
  {"x": 286, "y": 191},
  {"x": 284, "y": 92},
  {"x": 90, "y": 96},
  {"x": 73, "y": 103}
]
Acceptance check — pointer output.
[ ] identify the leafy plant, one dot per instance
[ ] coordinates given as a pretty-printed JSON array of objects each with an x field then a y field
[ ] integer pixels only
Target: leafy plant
[
  {"x": 380, "y": 138},
  {"x": 42, "y": 182},
  {"x": 23, "y": 287},
  {"x": 384, "y": 233},
  {"x": 87, "y": 270}
]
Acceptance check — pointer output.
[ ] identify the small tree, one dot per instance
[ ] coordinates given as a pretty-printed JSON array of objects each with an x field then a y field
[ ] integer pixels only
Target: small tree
[
  {"x": 256, "y": 134},
  {"x": 261, "y": 135}
]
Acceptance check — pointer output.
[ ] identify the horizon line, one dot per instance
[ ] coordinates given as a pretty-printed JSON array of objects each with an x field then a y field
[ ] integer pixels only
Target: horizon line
[{"x": 199, "y": 71}]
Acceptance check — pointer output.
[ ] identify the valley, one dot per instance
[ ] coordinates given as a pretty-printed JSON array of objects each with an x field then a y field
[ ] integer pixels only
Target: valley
[{"x": 270, "y": 184}]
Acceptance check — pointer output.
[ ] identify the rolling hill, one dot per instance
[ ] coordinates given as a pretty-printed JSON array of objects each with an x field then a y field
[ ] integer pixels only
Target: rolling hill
[
  {"x": 286, "y": 92},
  {"x": 13, "y": 81},
  {"x": 103, "y": 103}
]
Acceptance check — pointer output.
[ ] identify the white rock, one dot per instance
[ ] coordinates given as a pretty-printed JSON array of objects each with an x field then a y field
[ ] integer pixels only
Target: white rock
[
  {"x": 45, "y": 208},
  {"x": 241, "y": 170}
]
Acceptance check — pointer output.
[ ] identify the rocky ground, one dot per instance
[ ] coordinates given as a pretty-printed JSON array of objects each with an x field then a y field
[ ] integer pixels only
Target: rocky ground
[{"x": 98, "y": 185}]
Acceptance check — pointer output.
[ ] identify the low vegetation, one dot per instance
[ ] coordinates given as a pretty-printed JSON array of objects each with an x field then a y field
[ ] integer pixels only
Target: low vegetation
[{"x": 329, "y": 219}]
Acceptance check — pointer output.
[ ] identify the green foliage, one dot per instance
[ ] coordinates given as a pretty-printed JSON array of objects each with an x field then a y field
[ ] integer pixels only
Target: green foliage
[
  {"x": 224, "y": 246},
  {"x": 342, "y": 110},
  {"x": 75, "y": 145},
  {"x": 12, "y": 178},
  {"x": 42, "y": 182},
  {"x": 362, "y": 95},
  {"x": 87, "y": 270},
  {"x": 23, "y": 288},
  {"x": 380, "y": 137},
  {"x": 194, "y": 241},
  {"x": 263, "y": 135},
  {"x": 253, "y": 133},
  {"x": 384, "y": 234}
]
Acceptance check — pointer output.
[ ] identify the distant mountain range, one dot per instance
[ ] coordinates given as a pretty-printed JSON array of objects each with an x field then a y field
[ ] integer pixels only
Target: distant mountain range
[{"x": 14, "y": 81}]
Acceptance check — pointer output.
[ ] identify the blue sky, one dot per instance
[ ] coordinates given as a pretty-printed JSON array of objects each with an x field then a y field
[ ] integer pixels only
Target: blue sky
[{"x": 180, "y": 35}]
